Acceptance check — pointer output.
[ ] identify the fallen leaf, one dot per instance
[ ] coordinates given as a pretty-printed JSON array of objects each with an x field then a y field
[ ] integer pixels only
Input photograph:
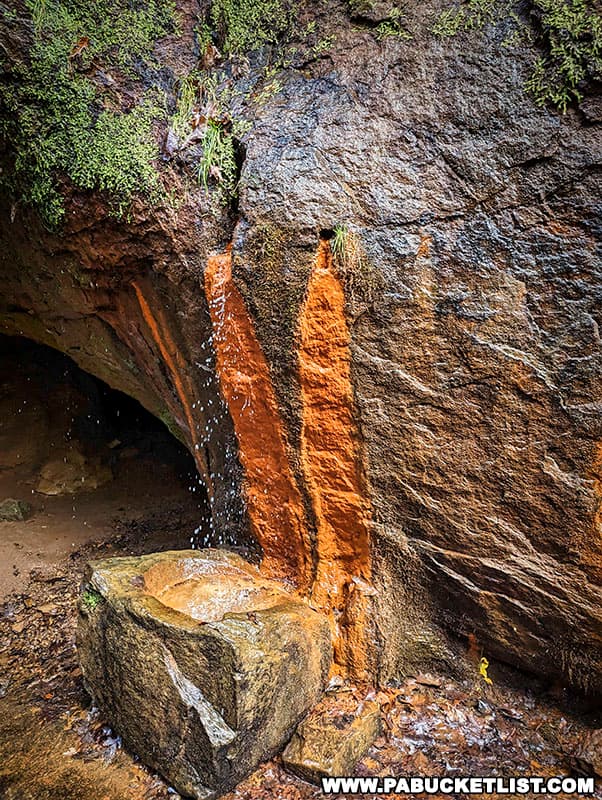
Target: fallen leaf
[
  {"x": 428, "y": 680},
  {"x": 421, "y": 763},
  {"x": 47, "y": 608},
  {"x": 483, "y": 666},
  {"x": 79, "y": 46},
  {"x": 510, "y": 713}
]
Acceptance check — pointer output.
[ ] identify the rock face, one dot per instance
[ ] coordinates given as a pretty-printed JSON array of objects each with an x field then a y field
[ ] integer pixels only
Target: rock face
[
  {"x": 72, "y": 473},
  {"x": 333, "y": 738},
  {"x": 11, "y": 510},
  {"x": 200, "y": 664},
  {"x": 463, "y": 495}
]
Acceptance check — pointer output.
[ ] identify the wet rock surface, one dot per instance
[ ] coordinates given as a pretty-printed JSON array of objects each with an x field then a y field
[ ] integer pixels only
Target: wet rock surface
[
  {"x": 231, "y": 660},
  {"x": 333, "y": 738},
  {"x": 474, "y": 333},
  {"x": 474, "y": 326},
  {"x": 54, "y": 744}
]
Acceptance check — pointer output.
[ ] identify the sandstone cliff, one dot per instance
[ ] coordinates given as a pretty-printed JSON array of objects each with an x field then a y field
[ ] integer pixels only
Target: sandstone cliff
[{"x": 373, "y": 317}]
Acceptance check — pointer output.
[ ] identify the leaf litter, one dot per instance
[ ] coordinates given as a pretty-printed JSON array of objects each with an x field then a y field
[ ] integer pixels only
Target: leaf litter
[{"x": 55, "y": 744}]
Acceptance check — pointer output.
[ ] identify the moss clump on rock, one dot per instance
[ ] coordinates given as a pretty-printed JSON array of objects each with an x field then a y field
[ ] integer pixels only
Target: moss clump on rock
[
  {"x": 246, "y": 25},
  {"x": 204, "y": 115},
  {"x": 61, "y": 114},
  {"x": 91, "y": 599},
  {"x": 569, "y": 32}
]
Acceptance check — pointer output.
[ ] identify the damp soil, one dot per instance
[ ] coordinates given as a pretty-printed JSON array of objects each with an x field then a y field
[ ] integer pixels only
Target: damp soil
[{"x": 53, "y": 743}]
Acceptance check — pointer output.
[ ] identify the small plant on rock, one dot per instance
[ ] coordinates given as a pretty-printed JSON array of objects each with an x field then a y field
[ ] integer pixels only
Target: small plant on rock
[
  {"x": 394, "y": 25},
  {"x": 218, "y": 162},
  {"x": 91, "y": 599},
  {"x": 338, "y": 243},
  {"x": 203, "y": 117},
  {"x": 568, "y": 31},
  {"x": 571, "y": 33},
  {"x": 362, "y": 282}
]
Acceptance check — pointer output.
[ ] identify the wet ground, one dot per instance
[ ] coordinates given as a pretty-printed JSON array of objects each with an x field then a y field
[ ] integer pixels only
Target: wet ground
[{"x": 54, "y": 745}]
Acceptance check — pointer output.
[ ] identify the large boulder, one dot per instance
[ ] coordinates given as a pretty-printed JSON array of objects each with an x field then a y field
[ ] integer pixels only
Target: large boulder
[{"x": 201, "y": 665}]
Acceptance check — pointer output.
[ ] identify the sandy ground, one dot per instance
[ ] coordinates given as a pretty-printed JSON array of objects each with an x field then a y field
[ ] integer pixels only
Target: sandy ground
[
  {"x": 62, "y": 525},
  {"x": 53, "y": 744}
]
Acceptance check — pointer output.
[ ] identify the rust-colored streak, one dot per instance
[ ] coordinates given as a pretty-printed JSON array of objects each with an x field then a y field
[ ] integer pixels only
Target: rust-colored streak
[
  {"x": 273, "y": 500},
  {"x": 332, "y": 467},
  {"x": 173, "y": 360},
  {"x": 424, "y": 248}
]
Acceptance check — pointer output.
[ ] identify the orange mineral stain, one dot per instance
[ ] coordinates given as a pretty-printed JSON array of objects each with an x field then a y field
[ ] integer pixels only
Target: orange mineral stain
[
  {"x": 171, "y": 356},
  {"x": 332, "y": 466},
  {"x": 274, "y": 503}
]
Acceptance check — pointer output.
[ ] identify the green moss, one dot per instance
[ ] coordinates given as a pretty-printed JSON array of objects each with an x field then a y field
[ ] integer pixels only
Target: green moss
[
  {"x": 267, "y": 244},
  {"x": 394, "y": 25},
  {"x": 569, "y": 32},
  {"x": 56, "y": 120},
  {"x": 469, "y": 15},
  {"x": 171, "y": 425},
  {"x": 91, "y": 599},
  {"x": 274, "y": 294},
  {"x": 246, "y": 25},
  {"x": 358, "y": 7}
]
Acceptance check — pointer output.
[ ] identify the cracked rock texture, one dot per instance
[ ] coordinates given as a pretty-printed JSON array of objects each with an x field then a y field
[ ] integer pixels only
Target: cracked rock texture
[{"x": 473, "y": 320}]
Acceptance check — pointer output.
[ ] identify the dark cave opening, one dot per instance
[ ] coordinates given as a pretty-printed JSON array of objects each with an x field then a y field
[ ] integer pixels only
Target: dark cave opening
[{"x": 101, "y": 417}]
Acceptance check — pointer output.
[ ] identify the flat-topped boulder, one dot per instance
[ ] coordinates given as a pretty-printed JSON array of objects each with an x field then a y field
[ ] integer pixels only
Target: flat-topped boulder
[{"x": 201, "y": 664}]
